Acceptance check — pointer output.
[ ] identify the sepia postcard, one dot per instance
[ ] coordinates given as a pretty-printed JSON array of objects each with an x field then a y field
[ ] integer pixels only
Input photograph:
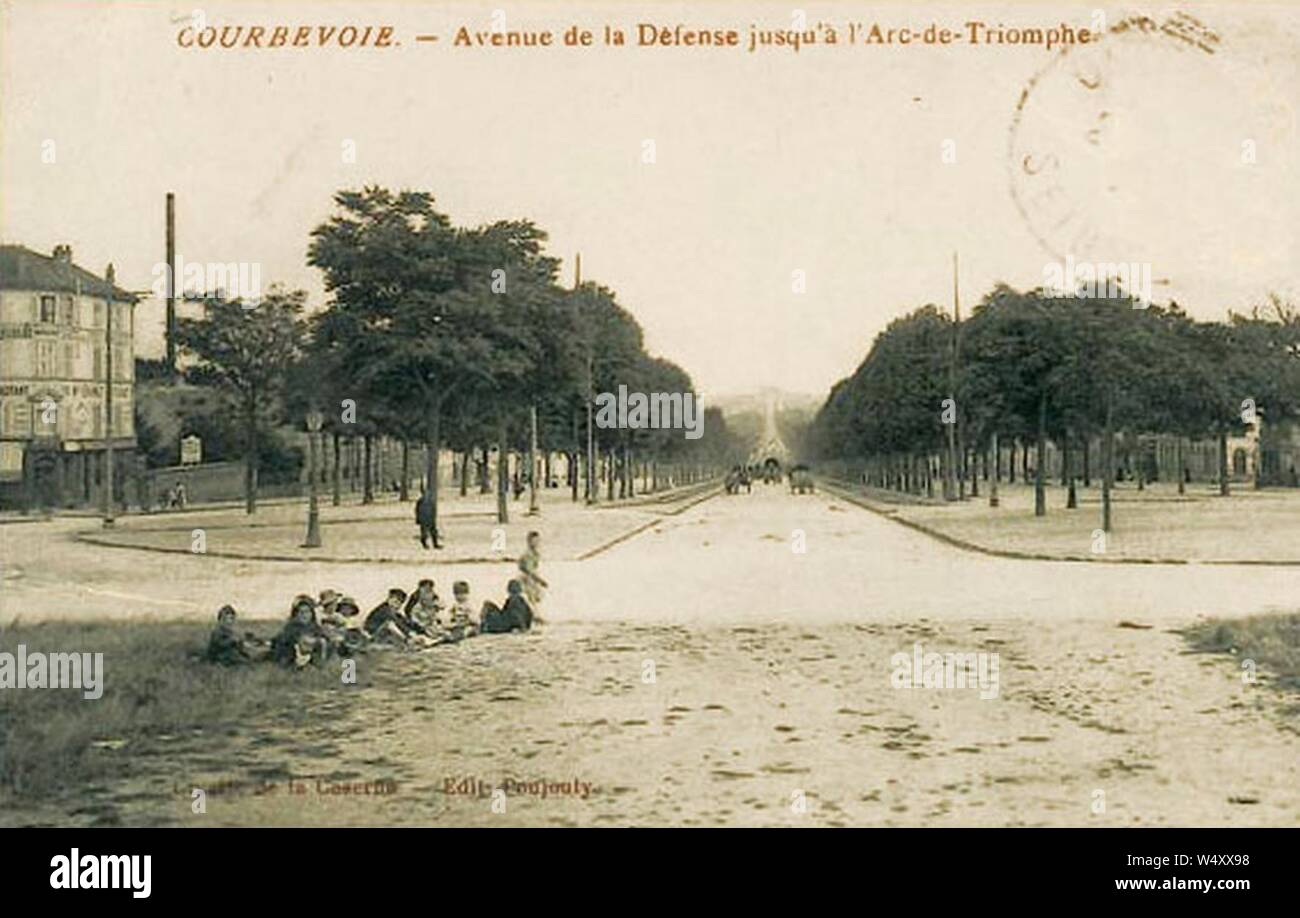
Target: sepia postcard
[{"x": 875, "y": 415}]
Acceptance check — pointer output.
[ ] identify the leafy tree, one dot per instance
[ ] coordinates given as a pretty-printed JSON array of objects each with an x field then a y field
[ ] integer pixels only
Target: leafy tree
[{"x": 246, "y": 352}]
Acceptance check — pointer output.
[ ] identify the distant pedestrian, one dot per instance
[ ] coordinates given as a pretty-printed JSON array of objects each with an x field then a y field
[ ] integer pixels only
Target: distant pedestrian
[{"x": 424, "y": 519}]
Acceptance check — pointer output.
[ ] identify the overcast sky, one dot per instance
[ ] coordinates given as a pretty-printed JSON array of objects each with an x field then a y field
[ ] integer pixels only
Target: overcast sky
[{"x": 829, "y": 161}]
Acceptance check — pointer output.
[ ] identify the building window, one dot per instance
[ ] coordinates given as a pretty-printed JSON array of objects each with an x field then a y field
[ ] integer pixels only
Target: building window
[
  {"x": 68, "y": 314},
  {"x": 47, "y": 309},
  {"x": 46, "y": 355}
]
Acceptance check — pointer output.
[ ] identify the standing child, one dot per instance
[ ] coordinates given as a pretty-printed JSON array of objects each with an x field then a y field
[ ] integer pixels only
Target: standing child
[{"x": 529, "y": 565}]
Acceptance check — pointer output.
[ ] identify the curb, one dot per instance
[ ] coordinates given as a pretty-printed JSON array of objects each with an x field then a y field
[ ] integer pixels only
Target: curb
[
  {"x": 710, "y": 493},
  {"x": 1011, "y": 554},
  {"x": 90, "y": 537}
]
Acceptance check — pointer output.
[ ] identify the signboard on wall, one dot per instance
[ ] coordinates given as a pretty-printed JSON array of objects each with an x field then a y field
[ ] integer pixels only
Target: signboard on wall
[{"x": 191, "y": 450}]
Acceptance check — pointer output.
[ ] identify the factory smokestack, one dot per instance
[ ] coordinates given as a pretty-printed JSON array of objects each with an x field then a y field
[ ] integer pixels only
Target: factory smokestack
[{"x": 171, "y": 284}]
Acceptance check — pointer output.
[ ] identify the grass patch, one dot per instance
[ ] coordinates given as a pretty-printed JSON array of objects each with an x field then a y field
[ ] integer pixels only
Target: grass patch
[
  {"x": 55, "y": 740},
  {"x": 1272, "y": 641}
]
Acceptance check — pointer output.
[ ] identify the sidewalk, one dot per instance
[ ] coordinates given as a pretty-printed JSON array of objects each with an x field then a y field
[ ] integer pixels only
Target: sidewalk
[
  {"x": 1152, "y": 526},
  {"x": 385, "y": 532}
]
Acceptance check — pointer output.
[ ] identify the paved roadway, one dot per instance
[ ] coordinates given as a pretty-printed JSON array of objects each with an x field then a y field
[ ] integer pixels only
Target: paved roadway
[
  {"x": 704, "y": 672},
  {"x": 736, "y": 560}
]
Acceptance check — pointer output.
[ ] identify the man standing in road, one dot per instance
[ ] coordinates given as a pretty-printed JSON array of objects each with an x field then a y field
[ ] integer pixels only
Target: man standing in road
[{"x": 424, "y": 519}]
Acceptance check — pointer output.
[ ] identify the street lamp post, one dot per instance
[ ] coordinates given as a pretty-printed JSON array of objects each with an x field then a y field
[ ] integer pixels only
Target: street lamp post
[
  {"x": 314, "y": 421},
  {"x": 533, "y": 508},
  {"x": 109, "y": 470}
]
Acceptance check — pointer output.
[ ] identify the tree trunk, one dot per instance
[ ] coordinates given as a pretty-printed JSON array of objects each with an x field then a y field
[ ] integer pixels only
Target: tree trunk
[
  {"x": 1067, "y": 473},
  {"x": 431, "y": 467},
  {"x": 573, "y": 460},
  {"x": 503, "y": 476},
  {"x": 464, "y": 472},
  {"x": 368, "y": 485},
  {"x": 338, "y": 471},
  {"x": 1040, "y": 458},
  {"x": 532, "y": 460},
  {"x": 404, "y": 492},
  {"x": 485, "y": 476},
  {"x": 1108, "y": 463},
  {"x": 1182, "y": 471},
  {"x": 1223, "y": 485},
  {"x": 997, "y": 460},
  {"x": 250, "y": 462}
]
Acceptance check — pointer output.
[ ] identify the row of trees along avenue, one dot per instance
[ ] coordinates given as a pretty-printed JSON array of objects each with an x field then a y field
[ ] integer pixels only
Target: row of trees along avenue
[
  {"x": 447, "y": 337},
  {"x": 1030, "y": 368}
]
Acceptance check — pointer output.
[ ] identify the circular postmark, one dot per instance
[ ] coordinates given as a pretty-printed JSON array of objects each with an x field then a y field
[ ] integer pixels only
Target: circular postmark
[{"x": 1140, "y": 146}]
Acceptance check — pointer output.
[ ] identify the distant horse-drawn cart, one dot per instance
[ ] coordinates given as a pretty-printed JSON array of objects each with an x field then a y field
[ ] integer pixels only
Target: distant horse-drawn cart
[
  {"x": 801, "y": 481},
  {"x": 736, "y": 479}
]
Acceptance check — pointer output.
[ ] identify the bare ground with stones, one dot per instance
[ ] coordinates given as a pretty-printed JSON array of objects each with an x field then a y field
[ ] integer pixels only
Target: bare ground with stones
[{"x": 771, "y": 685}]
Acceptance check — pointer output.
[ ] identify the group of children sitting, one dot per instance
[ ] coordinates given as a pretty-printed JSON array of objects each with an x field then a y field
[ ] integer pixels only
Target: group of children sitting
[
  {"x": 332, "y": 626},
  {"x": 317, "y": 630}
]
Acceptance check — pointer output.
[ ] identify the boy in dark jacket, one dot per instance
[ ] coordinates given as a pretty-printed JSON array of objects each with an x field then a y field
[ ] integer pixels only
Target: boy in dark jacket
[
  {"x": 515, "y": 616},
  {"x": 386, "y": 621}
]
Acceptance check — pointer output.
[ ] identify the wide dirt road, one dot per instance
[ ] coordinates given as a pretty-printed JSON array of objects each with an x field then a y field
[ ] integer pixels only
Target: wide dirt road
[{"x": 707, "y": 673}]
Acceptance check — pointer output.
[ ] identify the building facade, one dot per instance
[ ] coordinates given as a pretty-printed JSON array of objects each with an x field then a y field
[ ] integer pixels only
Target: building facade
[{"x": 55, "y": 424}]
